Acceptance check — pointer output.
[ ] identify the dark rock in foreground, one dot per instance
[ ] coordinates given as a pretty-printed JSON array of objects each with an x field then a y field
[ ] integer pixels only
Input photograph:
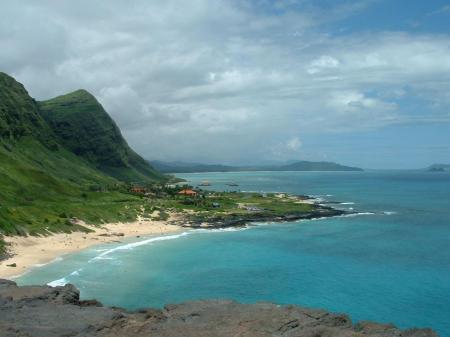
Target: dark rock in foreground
[{"x": 36, "y": 311}]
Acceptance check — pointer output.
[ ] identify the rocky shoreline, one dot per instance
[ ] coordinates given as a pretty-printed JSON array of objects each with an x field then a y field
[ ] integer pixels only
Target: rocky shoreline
[
  {"x": 42, "y": 311},
  {"x": 235, "y": 220}
]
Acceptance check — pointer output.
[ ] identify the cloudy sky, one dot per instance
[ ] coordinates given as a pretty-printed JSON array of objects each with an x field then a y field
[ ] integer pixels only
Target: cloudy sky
[{"x": 365, "y": 83}]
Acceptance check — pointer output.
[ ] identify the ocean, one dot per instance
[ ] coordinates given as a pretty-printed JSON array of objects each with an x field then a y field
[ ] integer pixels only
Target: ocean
[{"x": 389, "y": 263}]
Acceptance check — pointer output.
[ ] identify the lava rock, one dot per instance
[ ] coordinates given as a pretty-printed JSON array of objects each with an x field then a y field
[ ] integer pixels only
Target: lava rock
[{"x": 42, "y": 311}]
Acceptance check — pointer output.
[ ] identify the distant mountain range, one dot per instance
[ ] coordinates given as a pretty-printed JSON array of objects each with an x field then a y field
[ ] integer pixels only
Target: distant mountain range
[{"x": 181, "y": 167}]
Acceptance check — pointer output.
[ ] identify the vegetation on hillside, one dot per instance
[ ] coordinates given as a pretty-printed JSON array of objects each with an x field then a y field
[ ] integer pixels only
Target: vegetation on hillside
[
  {"x": 84, "y": 127},
  {"x": 19, "y": 115},
  {"x": 222, "y": 204},
  {"x": 47, "y": 180},
  {"x": 41, "y": 189}
]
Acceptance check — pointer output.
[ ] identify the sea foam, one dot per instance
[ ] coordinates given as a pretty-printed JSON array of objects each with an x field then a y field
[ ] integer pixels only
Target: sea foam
[
  {"x": 58, "y": 283},
  {"x": 132, "y": 245}
]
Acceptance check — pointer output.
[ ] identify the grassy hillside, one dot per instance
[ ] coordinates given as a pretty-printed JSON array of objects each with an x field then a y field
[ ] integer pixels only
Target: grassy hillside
[
  {"x": 84, "y": 127},
  {"x": 41, "y": 189},
  {"x": 19, "y": 115},
  {"x": 45, "y": 182}
]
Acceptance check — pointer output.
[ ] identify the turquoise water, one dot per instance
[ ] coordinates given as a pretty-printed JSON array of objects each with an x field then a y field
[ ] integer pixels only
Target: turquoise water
[{"x": 390, "y": 264}]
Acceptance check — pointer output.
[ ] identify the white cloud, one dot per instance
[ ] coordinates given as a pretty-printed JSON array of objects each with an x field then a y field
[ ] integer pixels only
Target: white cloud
[
  {"x": 323, "y": 63},
  {"x": 294, "y": 144},
  {"x": 234, "y": 78}
]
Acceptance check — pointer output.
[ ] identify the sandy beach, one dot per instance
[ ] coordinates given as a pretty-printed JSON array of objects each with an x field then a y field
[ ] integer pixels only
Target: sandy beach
[{"x": 32, "y": 250}]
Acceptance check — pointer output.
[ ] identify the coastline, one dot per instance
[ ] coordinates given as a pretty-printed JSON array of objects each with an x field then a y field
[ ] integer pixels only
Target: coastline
[{"x": 31, "y": 251}]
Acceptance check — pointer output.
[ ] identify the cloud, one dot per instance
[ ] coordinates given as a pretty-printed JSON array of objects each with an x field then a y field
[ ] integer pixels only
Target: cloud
[
  {"x": 323, "y": 63},
  {"x": 225, "y": 81},
  {"x": 294, "y": 144},
  {"x": 443, "y": 10}
]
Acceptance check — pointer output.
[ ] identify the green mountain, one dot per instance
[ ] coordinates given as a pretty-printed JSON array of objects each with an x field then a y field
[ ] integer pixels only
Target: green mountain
[
  {"x": 19, "y": 115},
  {"x": 180, "y": 167},
  {"x": 84, "y": 127},
  {"x": 50, "y": 169}
]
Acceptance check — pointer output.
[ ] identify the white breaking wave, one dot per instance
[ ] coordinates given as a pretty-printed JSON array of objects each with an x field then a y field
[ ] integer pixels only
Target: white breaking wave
[
  {"x": 347, "y": 203},
  {"x": 133, "y": 245},
  {"x": 63, "y": 281},
  {"x": 356, "y": 214},
  {"x": 219, "y": 230},
  {"x": 58, "y": 283},
  {"x": 103, "y": 256},
  {"x": 76, "y": 272},
  {"x": 389, "y": 212},
  {"x": 38, "y": 265}
]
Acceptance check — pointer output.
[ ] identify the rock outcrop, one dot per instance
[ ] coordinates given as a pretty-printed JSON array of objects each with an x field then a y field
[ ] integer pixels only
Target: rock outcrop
[{"x": 40, "y": 311}]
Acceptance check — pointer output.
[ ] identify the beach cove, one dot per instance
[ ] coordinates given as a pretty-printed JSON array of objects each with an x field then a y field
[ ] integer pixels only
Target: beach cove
[
  {"x": 202, "y": 211},
  {"x": 35, "y": 251}
]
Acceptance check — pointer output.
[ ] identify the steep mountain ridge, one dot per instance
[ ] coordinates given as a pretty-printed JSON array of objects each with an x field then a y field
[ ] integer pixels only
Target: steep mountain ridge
[
  {"x": 19, "y": 114},
  {"x": 85, "y": 128}
]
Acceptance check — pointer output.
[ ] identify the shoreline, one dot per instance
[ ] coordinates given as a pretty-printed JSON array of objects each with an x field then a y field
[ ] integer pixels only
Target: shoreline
[{"x": 33, "y": 251}]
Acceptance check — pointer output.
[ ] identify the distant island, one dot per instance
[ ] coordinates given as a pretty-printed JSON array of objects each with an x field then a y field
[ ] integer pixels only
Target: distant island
[
  {"x": 438, "y": 168},
  {"x": 182, "y": 167}
]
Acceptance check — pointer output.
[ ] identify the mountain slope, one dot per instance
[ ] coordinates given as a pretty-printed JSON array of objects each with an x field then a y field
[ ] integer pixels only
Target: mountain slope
[
  {"x": 19, "y": 115},
  {"x": 84, "y": 127},
  {"x": 43, "y": 184}
]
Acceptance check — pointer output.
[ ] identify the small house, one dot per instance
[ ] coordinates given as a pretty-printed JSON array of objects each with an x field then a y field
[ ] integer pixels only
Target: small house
[
  {"x": 188, "y": 192},
  {"x": 138, "y": 189}
]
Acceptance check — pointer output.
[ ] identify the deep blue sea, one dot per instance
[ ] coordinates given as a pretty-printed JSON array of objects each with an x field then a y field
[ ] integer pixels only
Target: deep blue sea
[{"x": 389, "y": 264}]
